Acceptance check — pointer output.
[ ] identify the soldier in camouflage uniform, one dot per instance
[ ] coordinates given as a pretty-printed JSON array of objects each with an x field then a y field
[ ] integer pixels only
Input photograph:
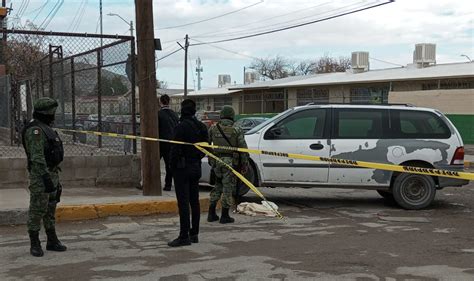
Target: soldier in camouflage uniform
[
  {"x": 45, "y": 152},
  {"x": 225, "y": 134}
]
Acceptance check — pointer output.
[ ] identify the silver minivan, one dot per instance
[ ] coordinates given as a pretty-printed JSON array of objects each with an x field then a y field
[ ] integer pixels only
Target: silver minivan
[{"x": 392, "y": 134}]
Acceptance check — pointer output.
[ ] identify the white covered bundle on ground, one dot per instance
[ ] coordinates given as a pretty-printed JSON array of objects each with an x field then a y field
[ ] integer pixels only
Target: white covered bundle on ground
[{"x": 254, "y": 209}]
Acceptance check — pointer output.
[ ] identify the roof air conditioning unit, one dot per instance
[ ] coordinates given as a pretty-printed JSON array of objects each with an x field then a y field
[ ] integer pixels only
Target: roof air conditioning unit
[
  {"x": 224, "y": 79},
  {"x": 424, "y": 54},
  {"x": 360, "y": 61},
  {"x": 250, "y": 77}
]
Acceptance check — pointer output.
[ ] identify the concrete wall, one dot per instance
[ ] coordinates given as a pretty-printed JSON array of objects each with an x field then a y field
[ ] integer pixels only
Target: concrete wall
[
  {"x": 4, "y": 135},
  {"x": 77, "y": 171},
  {"x": 447, "y": 101}
]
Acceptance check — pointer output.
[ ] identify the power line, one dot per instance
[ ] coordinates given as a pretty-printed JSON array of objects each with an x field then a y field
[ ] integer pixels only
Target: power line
[
  {"x": 76, "y": 16},
  {"x": 387, "y": 62},
  {"x": 263, "y": 20},
  {"x": 170, "y": 54},
  {"x": 294, "y": 26},
  {"x": 224, "y": 49},
  {"x": 298, "y": 20},
  {"x": 157, "y": 60},
  {"x": 212, "y": 18},
  {"x": 51, "y": 14},
  {"x": 40, "y": 9}
]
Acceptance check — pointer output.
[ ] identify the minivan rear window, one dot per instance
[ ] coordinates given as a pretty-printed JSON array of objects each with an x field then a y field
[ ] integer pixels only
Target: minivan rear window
[
  {"x": 356, "y": 123},
  {"x": 417, "y": 124}
]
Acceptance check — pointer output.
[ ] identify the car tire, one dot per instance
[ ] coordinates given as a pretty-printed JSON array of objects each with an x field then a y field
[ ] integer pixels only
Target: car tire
[
  {"x": 251, "y": 176},
  {"x": 413, "y": 192},
  {"x": 385, "y": 194}
]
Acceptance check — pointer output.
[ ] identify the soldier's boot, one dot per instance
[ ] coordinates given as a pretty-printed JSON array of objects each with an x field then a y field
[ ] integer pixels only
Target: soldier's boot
[
  {"x": 225, "y": 218},
  {"x": 53, "y": 242},
  {"x": 212, "y": 215},
  {"x": 35, "y": 250}
]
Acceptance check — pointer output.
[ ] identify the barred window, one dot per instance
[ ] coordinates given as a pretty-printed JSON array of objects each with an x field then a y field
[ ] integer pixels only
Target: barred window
[
  {"x": 220, "y": 102},
  {"x": 318, "y": 95}
]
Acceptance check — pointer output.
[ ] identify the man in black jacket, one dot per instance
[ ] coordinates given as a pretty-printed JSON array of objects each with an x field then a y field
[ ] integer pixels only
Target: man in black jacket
[
  {"x": 186, "y": 164},
  {"x": 168, "y": 120}
]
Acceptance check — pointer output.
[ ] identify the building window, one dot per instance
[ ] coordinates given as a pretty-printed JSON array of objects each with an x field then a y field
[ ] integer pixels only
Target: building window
[
  {"x": 200, "y": 104},
  {"x": 370, "y": 95},
  {"x": 220, "y": 102},
  {"x": 252, "y": 103},
  {"x": 274, "y": 102},
  {"x": 316, "y": 95}
]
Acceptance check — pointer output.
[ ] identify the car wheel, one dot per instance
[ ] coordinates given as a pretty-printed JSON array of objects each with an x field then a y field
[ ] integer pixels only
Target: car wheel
[
  {"x": 251, "y": 176},
  {"x": 385, "y": 194},
  {"x": 413, "y": 192}
]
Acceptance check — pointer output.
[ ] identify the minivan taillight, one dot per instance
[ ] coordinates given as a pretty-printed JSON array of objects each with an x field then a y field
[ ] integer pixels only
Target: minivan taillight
[{"x": 458, "y": 158}]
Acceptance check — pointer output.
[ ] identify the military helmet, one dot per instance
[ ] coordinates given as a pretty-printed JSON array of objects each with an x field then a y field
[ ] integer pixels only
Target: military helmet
[
  {"x": 45, "y": 105},
  {"x": 227, "y": 112}
]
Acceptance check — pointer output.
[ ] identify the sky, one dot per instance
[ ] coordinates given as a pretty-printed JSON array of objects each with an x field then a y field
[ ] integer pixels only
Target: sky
[{"x": 388, "y": 32}]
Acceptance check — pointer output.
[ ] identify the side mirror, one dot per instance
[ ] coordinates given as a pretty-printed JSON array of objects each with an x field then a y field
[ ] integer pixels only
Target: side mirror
[{"x": 273, "y": 133}]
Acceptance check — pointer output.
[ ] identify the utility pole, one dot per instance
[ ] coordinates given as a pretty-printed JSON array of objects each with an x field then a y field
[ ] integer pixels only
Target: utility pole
[
  {"x": 3, "y": 43},
  {"x": 101, "y": 25},
  {"x": 150, "y": 154},
  {"x": 199, "y": 70},
  {"x": 186, "y": 45}
]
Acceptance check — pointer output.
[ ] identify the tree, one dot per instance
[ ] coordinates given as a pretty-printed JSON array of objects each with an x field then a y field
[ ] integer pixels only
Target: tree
[
  {"x": 281, "y": 67},
  {"x": 23, "y": 54},
  {"x": 273, "y": 68},
  {"x": 113, "y": 86},
  {"x": 327, "y": 64}
]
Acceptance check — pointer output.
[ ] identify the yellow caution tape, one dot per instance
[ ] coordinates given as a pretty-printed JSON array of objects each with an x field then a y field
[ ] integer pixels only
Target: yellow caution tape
[
  {"x": 364, "y": 164},
  {"x": 198, "y": 146},
  {"x": 241, "y": 177}
]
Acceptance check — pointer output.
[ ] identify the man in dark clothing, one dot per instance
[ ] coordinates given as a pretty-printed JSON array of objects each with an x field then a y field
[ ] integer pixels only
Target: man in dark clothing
[
  {"x": 168, "y": 120},
  {"x": 186, "y": 164}
]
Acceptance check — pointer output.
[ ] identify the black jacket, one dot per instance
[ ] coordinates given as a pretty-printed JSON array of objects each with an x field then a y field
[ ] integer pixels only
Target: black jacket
[
  {"x": 189, "y": 130},
  {"x": 168, "y": 120}
]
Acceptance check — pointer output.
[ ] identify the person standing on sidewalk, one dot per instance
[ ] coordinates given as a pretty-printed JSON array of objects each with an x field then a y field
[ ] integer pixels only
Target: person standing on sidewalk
[
  {"x": 168, "y": 120},
  {"x": 186, "y": 164},
  {"x": 223, "y": 133},
  {"x": 45, "y": 152}
]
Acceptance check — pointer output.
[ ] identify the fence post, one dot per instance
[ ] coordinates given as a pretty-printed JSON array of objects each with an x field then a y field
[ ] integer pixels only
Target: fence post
[
  {"x": 73, "y": 100},
  {"x": 51, "y": 78},
  {"x": 134, "y": 110},
  {"x": 42, "y": 80},
  {"x": 99, "y": 95},
  {"x": 29, "y": 105}
]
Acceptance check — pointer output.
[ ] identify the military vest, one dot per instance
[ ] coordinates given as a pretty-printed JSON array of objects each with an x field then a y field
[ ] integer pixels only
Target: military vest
[
  {"x": 53, "y": 150},
  {"x": 219, "y": 140}
]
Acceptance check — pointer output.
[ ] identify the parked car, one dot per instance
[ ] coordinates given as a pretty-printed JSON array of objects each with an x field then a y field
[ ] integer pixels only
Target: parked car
[
  {"x": 209, "y": 118},
  {"x": 248, "y": 123},
  {"x": 91, "y": 122},
  {"x": 65, "y": 122},
  {"x": 392, "y": 134}
]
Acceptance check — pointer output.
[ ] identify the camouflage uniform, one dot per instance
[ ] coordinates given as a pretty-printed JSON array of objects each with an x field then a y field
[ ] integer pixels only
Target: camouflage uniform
[
  {"x": 44, "y": 151},
  {"x": 226, "y": 181}
]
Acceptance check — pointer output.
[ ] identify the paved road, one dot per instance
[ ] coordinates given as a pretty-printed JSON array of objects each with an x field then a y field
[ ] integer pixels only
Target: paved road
[{"x": 328, "y": 235}]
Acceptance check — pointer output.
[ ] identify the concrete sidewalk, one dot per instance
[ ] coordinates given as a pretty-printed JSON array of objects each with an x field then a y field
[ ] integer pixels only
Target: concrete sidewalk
[{"x": 93, "y": 203}]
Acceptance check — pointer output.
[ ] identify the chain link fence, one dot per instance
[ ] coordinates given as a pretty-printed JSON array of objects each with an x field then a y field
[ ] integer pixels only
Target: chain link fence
[{"x": 91, "y": 76}]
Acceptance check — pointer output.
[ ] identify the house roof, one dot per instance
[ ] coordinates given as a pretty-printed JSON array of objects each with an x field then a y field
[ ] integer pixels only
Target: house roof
[
  {"x": 169, "y": 92},
  {"x": 452, "y": 70},
  {"x": 210, "y": 92}
]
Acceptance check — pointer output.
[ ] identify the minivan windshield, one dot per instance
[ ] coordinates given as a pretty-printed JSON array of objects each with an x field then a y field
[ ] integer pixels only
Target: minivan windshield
[{"x": 274, "y": 118}]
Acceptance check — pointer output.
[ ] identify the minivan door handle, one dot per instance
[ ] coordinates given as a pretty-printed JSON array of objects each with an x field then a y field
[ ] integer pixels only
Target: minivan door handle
[{"x": 316, "y": 146}]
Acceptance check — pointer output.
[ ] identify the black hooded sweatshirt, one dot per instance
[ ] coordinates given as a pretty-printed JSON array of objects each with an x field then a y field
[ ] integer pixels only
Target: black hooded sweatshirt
[{"x": 189, "y": 130}]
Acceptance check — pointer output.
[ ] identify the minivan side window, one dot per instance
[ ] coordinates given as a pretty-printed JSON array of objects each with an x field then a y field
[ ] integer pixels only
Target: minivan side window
[
  {"x": 418, "y": 124},
  {"x": 305, "y": 124},
  {"x": 357, "y": 123}
]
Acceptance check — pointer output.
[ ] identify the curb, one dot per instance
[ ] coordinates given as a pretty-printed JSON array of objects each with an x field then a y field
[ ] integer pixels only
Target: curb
[
  {"x": 97, "y": 211},
  {"x": 140, "y": 208}
]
